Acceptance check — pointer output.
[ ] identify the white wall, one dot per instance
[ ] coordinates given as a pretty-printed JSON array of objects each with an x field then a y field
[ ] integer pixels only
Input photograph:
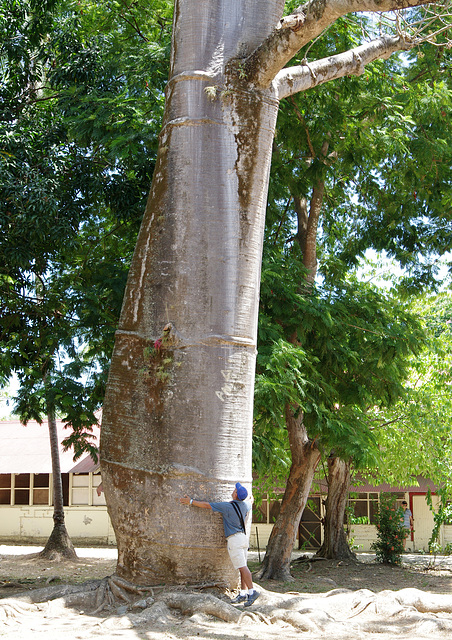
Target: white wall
[
  {"x": 363, "y": 535},
  {"x": 85, "y": 524},
  {"x": 91, "y": 524},
  {"x": 262, "y": 535}
]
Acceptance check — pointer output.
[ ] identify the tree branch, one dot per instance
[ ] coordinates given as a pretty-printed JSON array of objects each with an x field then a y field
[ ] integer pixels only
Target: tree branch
[
  {"x": 307, "y": 22},
  {"x": 133, "y": 21},
  {"x": 300, "y": 78}
]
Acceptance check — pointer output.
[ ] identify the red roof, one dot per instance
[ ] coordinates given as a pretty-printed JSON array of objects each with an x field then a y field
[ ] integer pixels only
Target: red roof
[
  {"x": 85, "y": 465},
  {"x": 424, "y": 484},
  {"x": 26, "y": 449}
]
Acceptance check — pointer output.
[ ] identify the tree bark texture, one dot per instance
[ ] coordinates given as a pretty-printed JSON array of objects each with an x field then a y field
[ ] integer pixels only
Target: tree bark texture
[
  {"x": 59, "y": 543},
  {"x": 335, "y": 544},
  {"x": 305, "y": 458},
  {"x": 178, "y": 419}
]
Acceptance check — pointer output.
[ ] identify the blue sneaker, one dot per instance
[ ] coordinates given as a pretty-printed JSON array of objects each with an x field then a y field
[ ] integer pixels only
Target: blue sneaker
[
  {"x": 238, "y": 599},
  {"x": 251, "y": 598}
]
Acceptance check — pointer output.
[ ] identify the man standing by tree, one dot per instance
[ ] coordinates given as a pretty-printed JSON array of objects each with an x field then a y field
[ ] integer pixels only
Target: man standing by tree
[{"x": 234, "y": 514}]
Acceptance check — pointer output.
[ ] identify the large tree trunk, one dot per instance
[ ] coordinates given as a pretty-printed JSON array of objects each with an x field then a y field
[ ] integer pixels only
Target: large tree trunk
[
  {"x": 178, "y": 419},
  {"x": 335, "y": 544},
  {"x": 59, "y": 544},
  {"x": 305, "y": 458}
]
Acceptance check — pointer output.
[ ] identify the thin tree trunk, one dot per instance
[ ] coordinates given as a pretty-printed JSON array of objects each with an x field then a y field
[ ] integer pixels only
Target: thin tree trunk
[
  {"x": 335, "y": 544},
  {"x": 59, "y": 544},
  {"x": 308, "y": 222},
  {"x": 305, "y": 458},
  {"x": 304, "y": 452}
]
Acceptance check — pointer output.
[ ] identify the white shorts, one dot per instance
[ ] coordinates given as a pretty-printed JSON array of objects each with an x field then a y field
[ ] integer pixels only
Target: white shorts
[{"x": 238, "y": 549}]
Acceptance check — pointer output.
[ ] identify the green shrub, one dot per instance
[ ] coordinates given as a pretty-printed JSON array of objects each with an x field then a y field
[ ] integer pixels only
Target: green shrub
[{"x": 390, "y": 531}]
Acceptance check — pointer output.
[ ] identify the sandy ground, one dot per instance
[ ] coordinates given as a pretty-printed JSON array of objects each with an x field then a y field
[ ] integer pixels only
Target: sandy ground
[{"x": 369, "y": 583}]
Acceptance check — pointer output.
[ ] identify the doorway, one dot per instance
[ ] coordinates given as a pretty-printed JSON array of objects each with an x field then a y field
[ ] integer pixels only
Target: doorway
[
  {"x": 310, "y": 528},
  {"x": 423, "y": 522}
]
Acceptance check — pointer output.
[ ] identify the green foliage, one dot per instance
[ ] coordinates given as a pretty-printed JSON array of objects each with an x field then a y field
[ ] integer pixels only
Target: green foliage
[
  {"x": 414, "y": 435},
  {"x": 389, "y": 145},
  {"x": 385, "y": 177},
  {"x": 351, "y": 354},
  {"x": 81, "y": 99},
  {"x": 390, "y": 531}
]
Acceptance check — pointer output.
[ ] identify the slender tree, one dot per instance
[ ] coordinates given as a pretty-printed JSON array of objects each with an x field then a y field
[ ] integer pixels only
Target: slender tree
[
  {"x": 59, "y": 543},
  {"x": 351, "y": 352}
]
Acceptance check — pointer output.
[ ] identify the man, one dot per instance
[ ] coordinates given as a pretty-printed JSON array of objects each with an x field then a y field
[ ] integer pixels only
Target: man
[
  {"x": 234, "y": 514},
  {"x": 407, "y": 520}
]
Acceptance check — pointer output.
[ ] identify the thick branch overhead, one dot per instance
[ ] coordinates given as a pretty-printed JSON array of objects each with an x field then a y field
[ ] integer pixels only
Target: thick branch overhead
[
  {"x": 300, "y": 78},
  {"x": 296, "y": 30}
]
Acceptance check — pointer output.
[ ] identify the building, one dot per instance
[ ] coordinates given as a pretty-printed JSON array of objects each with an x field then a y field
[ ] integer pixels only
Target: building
[
  {"x": 26, "y": 512},
  {"x": 363, "y": 503}
]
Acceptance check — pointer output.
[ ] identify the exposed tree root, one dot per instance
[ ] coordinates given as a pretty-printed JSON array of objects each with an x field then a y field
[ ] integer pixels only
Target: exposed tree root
[
  {"x": 423, "y": 602},
  {"x": 295, "y": 619},
  {"x": 341, "y": 614},
  {"x": 6, "y": 584},
  {"x": 190, "y": 603},
  {"x": 54, "y": 592},
  {"x": 115, "y": 589},
  {"x": 302, "y": 559}
]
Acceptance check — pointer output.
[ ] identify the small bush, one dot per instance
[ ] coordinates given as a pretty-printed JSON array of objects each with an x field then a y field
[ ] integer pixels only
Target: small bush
[{"x": 390, "y": 531}]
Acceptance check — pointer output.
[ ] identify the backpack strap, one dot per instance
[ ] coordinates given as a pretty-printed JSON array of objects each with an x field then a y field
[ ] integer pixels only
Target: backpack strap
[{"x": 239, "y": 513}]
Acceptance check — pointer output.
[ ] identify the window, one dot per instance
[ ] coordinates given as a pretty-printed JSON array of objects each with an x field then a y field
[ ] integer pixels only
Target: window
[
  {"x": 267, "y": 511},
  {"x": 84, "y": 489},
  {"x": 96, "y": 482},
  {"x": 22, "y": 488},
  {"x": 364, "y": 507},
  {"x": 17, "y": 489},
  {"x": 260, "y": 512},
  {"x": 41, "y": 486},
  {"x": 400, "y": 497},
  {"x": 80, "y": 488},
  {"x": 275, "y": 508},
  {"x": 5, "y": 488}
]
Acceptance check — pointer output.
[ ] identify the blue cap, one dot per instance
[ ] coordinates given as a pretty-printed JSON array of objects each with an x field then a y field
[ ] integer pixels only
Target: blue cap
[{"x": 241, "y": 491}]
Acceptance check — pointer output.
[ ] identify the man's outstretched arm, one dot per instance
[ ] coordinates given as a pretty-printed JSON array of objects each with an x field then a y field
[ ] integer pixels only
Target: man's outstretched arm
[{"x": 195, "y": 503}]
